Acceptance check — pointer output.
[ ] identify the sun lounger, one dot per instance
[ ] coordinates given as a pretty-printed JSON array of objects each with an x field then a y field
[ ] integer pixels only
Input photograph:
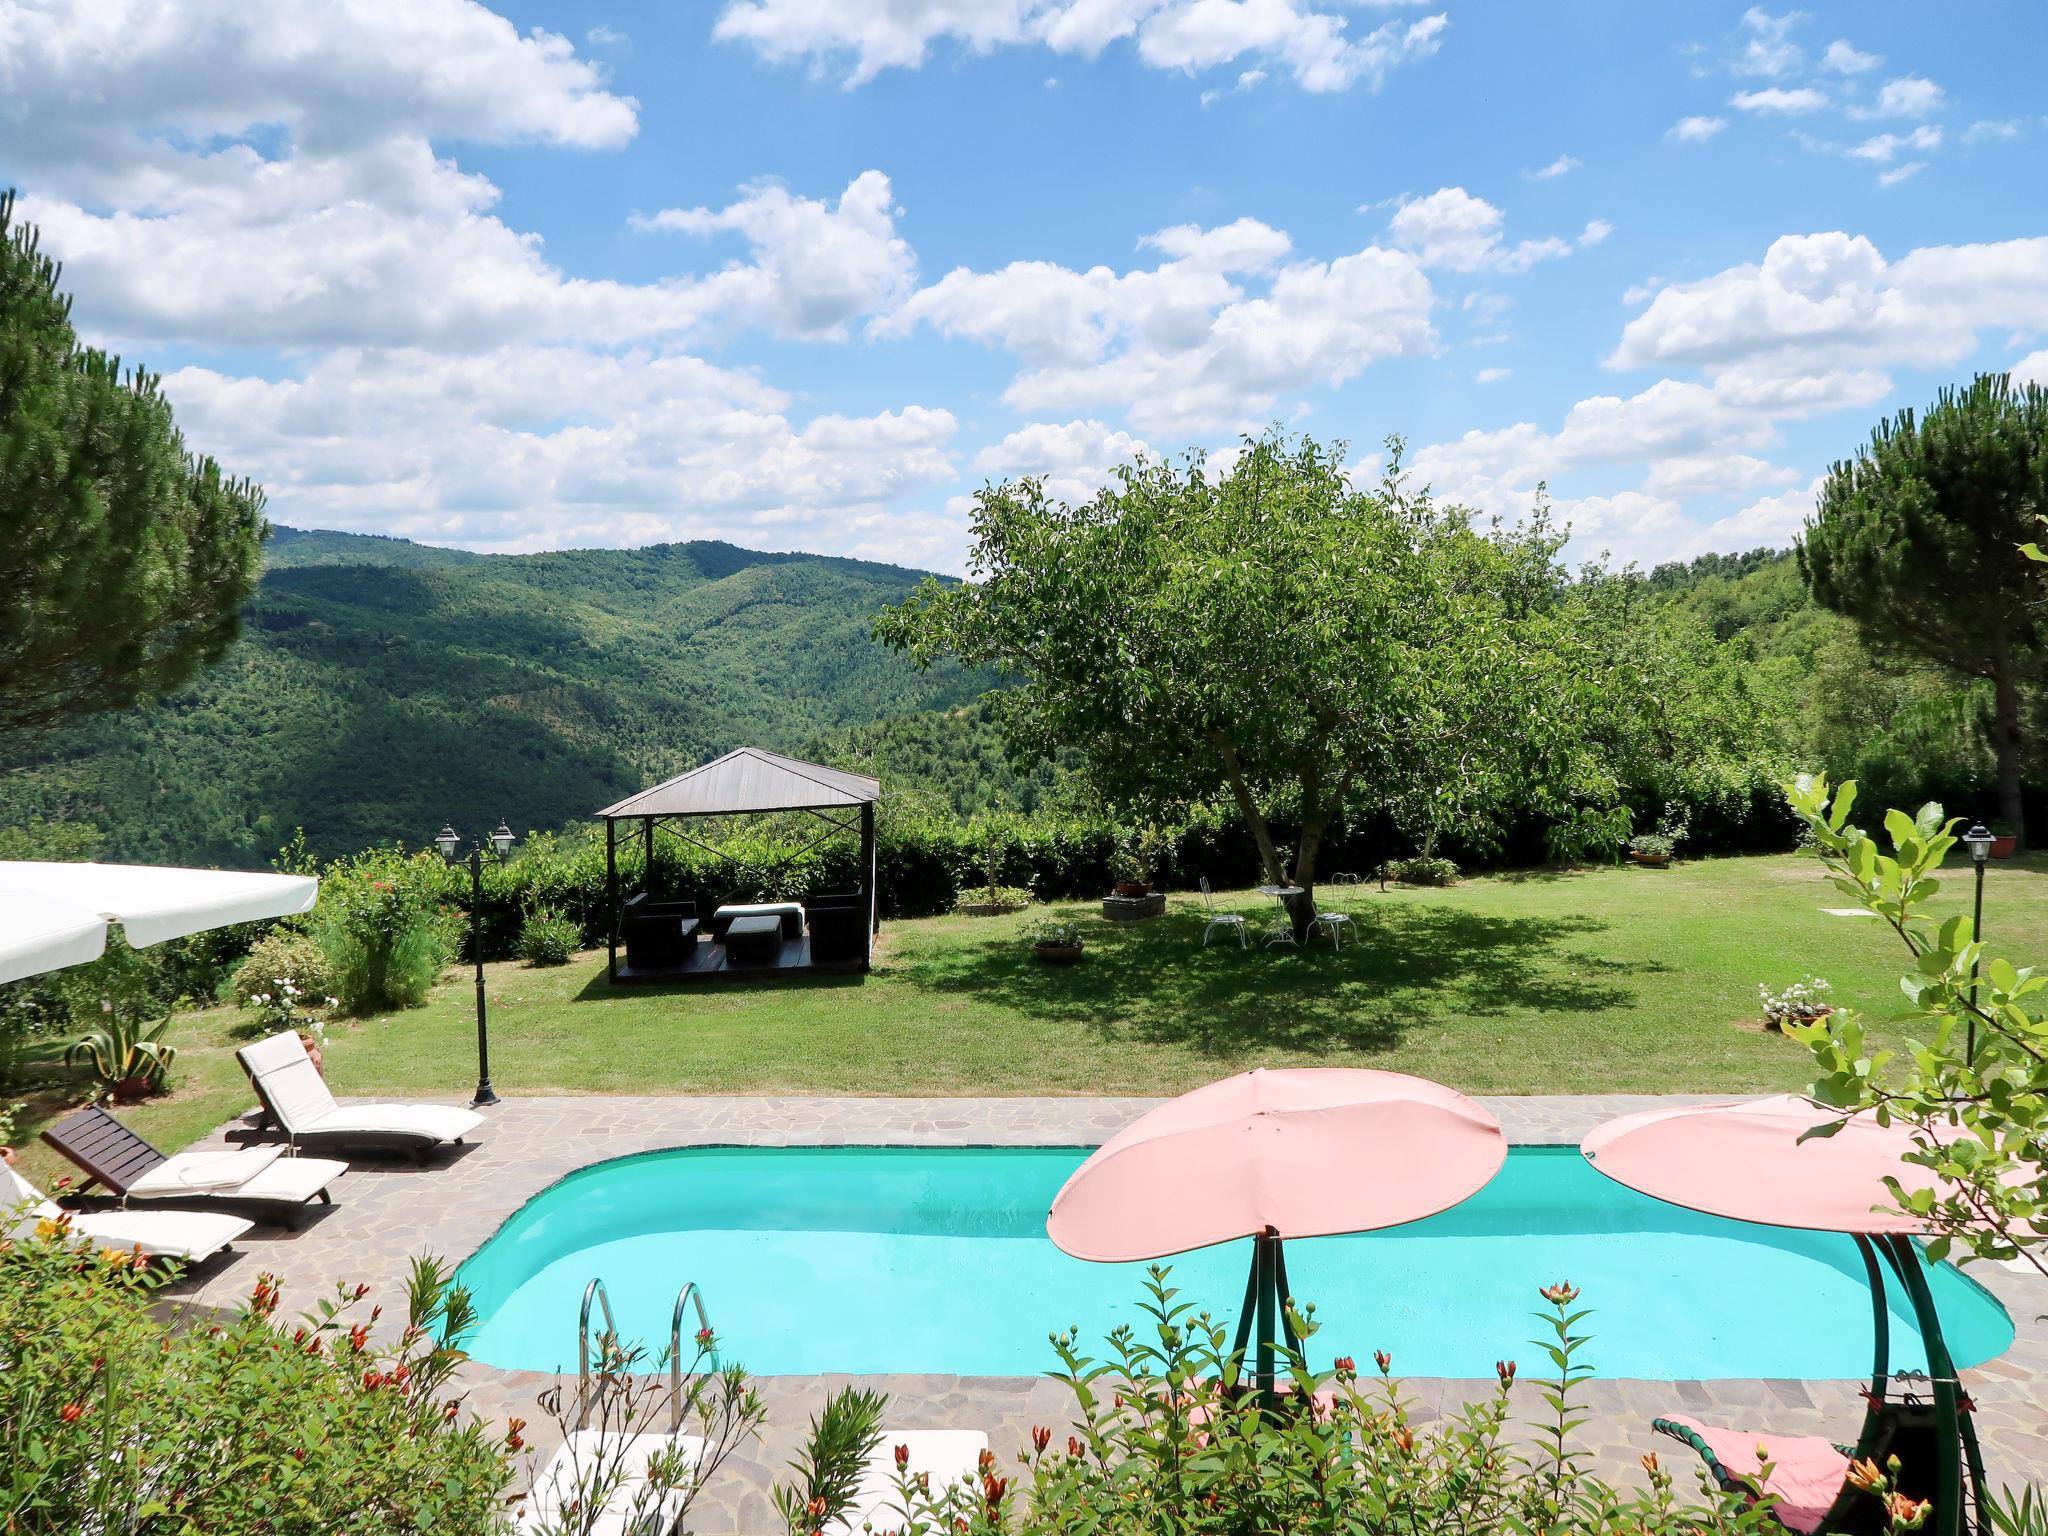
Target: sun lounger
[
  {"x": 190, "y": 1235},
  {"x": 120, "y": 1161},
  {"x": 631, "y": 1510},
  {"x": 947, "y": 1455},
  {"x": 296, "y": 1097},
  {"x": 1809, "y": 1473}
]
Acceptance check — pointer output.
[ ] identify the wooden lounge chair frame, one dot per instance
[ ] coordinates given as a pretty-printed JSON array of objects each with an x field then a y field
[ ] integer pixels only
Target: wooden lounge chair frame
[{"x": 114, "y": 1156}]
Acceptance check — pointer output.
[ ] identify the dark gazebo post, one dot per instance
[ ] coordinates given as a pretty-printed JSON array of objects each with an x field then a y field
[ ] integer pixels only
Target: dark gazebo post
[
  {"x": 611, "y": 897},
  {"x": 647, "y": 856},
  {"x": 867, "y": 864}
]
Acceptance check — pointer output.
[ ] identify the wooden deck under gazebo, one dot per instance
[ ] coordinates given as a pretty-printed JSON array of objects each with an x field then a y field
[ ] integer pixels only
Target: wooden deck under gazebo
[{"x": 673, "y": 941}]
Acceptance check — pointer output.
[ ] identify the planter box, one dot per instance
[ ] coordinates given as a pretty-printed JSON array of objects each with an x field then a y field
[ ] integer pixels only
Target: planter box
[
  {"x": 1057, "y": 954},
  {"x": 1133, "y": 909},
  {"x": 1650, "y": 860}
]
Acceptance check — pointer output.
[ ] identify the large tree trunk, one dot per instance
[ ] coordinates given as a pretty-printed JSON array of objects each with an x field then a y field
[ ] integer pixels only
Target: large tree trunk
[{"x": 2005, "y": 741}]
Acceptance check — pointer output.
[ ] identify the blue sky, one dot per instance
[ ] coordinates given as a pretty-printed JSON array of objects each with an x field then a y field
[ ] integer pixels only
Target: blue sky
[{"x": 803, "y": 274}]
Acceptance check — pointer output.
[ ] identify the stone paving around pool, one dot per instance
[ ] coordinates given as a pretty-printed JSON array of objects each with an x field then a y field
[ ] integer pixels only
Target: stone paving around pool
[{"x": 387, "y": 1212}]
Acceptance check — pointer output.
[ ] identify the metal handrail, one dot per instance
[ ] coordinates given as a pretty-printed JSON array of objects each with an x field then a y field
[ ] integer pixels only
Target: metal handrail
[
  {"x": 595, "y": 1290},
  {"x": 689, "y": 1293}
]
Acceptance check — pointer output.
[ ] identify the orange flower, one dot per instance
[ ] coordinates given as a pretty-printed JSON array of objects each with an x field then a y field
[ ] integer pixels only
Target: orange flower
[
  {"x": 1650, "y": 1462},
  {"x": 1041, "y": 1437},
  {"x": 1345, "y": 1367},
  {"x": 1404, "y": 1438},
  {"x": 1563, "y": 1294},
  {"x": 1864, "y": 1474},
  {"x": 1074, "y": 1447},
  {"x": 1383, "y": 1360},
  {"x": 71, "y": 1413},
  {"x": 1906, "y": 1514},
  {"x": 1505, "y": 1370},
  {"x": 902, "y": 1457}
]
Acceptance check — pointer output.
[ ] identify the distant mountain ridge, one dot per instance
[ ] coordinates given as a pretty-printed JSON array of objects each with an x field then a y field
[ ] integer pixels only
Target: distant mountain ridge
[{"x": 383, "y": 687}]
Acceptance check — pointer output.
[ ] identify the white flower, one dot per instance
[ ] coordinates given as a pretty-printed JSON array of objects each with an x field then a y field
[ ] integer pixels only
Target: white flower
[{"x": 334, "y": 1002}]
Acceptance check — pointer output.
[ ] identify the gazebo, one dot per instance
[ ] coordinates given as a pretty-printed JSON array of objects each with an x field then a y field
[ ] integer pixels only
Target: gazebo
[{"x": 673, "y": 941}]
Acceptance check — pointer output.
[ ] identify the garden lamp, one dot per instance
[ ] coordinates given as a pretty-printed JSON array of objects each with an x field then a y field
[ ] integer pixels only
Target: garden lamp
[
  {"x": 1978, "y": 841},
  {"x": 449, "y": 841}
]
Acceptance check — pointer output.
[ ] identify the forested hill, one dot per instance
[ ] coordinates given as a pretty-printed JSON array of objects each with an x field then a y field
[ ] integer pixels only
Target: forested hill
[{"x": 383, "y": 687}]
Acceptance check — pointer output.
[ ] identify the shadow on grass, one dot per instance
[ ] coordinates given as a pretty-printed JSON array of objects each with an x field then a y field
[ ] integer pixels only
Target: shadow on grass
[
  {"x": 600, "y": 989},
  {"x": 1408, "y": 967}
]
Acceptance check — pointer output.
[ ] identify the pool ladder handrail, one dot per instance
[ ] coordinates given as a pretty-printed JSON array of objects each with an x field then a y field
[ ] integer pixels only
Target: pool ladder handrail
[
  {"x": 594, "y": 1291},
  {"x": 690, "y": 1294}
]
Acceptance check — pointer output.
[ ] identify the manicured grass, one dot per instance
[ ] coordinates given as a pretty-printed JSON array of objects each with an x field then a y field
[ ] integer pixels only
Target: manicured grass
[{"x": 1603, "y": 980}]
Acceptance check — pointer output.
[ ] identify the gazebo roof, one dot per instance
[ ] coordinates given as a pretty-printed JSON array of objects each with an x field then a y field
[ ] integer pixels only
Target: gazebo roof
[{"x": 747, "y": 780}]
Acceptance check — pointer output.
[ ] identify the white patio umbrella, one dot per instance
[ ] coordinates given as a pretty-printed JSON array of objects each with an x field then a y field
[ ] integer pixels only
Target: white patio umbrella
[{"x": 55, "y": 915}]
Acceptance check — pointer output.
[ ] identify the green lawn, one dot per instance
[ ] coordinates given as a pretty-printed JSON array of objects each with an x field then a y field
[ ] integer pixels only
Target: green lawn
[{"x": 1604, "y": 980}]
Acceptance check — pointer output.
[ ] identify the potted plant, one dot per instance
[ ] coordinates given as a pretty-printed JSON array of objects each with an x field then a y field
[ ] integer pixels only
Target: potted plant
[
  {"x": 1057, "y": 942},
  {"x": 2004, "y": 841},
  {"x": 1652, "y": 848},
  {"x": 1128, "y": 870},
  {"x": 125, "y": 1059},
  {"x": 286, "y": 1006},
  {"x": 1804, "y": 1002}
]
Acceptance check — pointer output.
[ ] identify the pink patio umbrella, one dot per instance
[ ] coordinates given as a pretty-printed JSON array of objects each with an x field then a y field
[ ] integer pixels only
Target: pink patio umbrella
[
  {"x": 1753, "y": 1161},
  {"x": 1270, "y": 1155}
]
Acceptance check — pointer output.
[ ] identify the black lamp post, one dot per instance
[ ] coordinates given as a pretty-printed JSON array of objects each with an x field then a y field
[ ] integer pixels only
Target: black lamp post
[
  {"x": 1978, "y": 841},
  {"x": 449, "y": 841}
]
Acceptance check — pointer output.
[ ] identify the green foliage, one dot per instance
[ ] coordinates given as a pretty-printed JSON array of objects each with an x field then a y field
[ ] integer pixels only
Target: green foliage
[
  {"x": 547, "y": 938},
  {"x": 124, "y": 560},
  {"x": 114, "y": 1420},
  {"x": 125, "y": 1056},
  {"x": 1422, "y": 870},
  {"x": 1166, "y": 1439},
  {"x": 282, "y": 955},
  {"x": 1277, "y": 637},
  {"x": 1972, "y": 1079},
  {"x": 829, "y": 1463},
  {"x": 381, "y": 688},
  {"x": 1914, "y": 540},
  {"x": 384, "y": 924},
  {"x": 1060, "y": 931}
]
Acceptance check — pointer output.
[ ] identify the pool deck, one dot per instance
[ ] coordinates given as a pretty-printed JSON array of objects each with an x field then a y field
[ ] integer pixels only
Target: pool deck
[{"x": 387, "y": 1212}]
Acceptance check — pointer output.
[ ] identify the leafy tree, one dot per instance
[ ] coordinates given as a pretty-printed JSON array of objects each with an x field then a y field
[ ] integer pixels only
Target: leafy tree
[
  {"x": 1914, "y": 540},
  {"x": 1973, "y": 1082},
  {"x": 124, "y": 560},
  {"x": 1271, "y": 634}
]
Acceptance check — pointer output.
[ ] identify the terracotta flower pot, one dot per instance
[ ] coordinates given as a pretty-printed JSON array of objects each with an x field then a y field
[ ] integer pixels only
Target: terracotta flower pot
[
  {"x": 132, "y": 1090},
  {"x": 7, "y": 1156},
  {"x": 1134, "y": 888},
  {"x": 313, "y": 1053},
  {"x": 1650, "y": 860},
  {"x": 2004, "y": 847},
  {"x": 1057, "y": 954}
]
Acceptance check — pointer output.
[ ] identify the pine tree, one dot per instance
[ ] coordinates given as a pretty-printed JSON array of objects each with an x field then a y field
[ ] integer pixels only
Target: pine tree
[
  {"x": 1918, "y": 540},
  {"x": 124, "y": 560}
]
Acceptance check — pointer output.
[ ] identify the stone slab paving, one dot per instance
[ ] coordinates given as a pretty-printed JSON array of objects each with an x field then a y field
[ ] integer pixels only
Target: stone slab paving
[{"x": 387, "y": 1212}]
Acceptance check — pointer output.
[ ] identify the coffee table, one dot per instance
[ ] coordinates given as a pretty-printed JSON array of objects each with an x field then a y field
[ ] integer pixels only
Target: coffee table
[{"x": 755, "y": 939}]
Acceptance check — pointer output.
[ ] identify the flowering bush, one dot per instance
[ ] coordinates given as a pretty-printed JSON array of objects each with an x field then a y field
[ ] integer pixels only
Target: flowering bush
[
  {"x": 1170, "y": 1438},
  {"x": 547, "y": 937},
  {"x": 385, "y": 929},
  {"x": 1804, "y": 1001},
  {"x": 245, "y": 1425},
  {"x": 278, "y": 956},
  {"x": 284, "y": 1006}
]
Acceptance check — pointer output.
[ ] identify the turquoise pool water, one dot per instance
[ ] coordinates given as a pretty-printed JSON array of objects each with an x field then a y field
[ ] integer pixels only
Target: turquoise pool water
[{"x": 936, "y": 1260}]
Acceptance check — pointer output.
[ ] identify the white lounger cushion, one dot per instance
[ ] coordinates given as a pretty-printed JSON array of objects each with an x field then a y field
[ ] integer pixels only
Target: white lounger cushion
[
  {"x": 947, "y": 1454},
  {"x": 269, "y": 1176},
  {"x": 586, "y": 1449},
  {"x": 161, "y": 1234},
  {"x": 298, "y": 1094}
]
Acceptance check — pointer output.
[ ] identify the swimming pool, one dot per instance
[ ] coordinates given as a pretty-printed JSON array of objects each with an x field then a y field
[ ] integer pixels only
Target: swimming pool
[{"x": 935, "y": 1260}]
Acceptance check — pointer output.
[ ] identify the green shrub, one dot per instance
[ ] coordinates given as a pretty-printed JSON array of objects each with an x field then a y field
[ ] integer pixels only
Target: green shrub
[
  {"x": 385, "y": 928},
  {"x": 112, "y": 1420},
  {"x": 1166, "y": 1437},
  {"x": 547, "y": 937},
  {"x": 282, "y": 955},
  {"x": 1422, "y": 870}
]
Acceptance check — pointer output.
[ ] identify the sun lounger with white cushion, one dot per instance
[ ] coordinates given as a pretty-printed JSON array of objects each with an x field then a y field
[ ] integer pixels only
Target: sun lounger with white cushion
[
  {"x": 946, "y": 1455},
  {"x": 192, "y": 1235},
  {"x": 116, "y": 1158},
  {"x": 632, "y": 1510},
  {"x": 296, "y": 1095}
]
